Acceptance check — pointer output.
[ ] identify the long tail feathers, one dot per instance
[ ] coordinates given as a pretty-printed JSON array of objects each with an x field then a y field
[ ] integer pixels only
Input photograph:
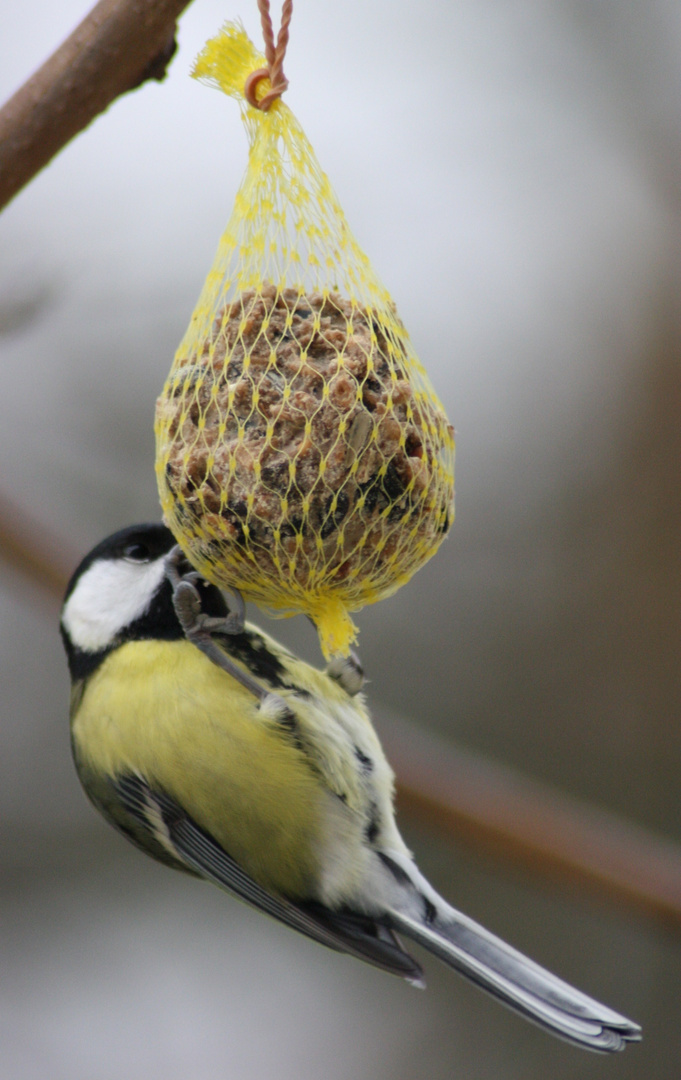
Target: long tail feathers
[{"x": 517, "y": 981}]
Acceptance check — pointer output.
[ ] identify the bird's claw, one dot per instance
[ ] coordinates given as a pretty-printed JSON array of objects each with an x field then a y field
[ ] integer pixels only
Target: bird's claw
[
  {"x": 347, "y": 672},
  {"x": 187, "y": 603},
  {"x": 198, "y": 627}
]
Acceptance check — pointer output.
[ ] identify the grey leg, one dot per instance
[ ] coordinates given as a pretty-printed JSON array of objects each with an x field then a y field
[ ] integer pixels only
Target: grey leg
[
  {"x": 186, "y": 593},
  {"x": 199, "y": 628},
  {"x": 348, "y": 672}
]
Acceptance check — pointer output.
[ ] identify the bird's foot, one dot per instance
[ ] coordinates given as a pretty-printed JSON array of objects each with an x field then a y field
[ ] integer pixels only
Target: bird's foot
[
  {"x": 200, "y": 627},
  {"x": 187, "y": 603},
  {"x": 348, "y": 672}
]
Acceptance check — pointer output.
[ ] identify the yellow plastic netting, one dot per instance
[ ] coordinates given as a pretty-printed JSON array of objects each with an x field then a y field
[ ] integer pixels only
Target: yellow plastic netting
[{"x": 302, "y": 455}]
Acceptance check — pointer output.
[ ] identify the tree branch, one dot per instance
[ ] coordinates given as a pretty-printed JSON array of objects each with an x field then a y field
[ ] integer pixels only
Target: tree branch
[
  {"x": 27, "y": 547},
  {"x": 505, "y": 814},
  {"x": 116, "y": 48}
]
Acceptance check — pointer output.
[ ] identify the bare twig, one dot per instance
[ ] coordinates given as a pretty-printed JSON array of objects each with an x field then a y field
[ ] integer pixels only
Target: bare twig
[
  {"x": 27, "y": 547},
  {"x": 118, "y": 46},
  {"x": 470, "y": 798}
]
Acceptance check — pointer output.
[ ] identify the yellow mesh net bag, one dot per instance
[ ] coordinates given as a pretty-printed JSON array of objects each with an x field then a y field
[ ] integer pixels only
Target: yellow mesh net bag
[{"x": 302, "y": 455}]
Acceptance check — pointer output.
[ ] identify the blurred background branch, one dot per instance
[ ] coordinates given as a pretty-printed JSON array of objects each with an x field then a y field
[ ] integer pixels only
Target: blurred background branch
[
  {"x": 117, "y": 47},
  {"x": 494, "y": 809},
  {"x": 26, "y": 547}
]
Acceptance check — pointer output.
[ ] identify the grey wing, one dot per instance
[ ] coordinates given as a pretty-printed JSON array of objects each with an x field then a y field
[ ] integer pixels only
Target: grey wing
[{"x": 191, "y": 846}]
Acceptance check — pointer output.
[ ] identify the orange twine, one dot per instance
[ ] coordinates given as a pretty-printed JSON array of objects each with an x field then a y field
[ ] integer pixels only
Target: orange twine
[{"x": 274, "y": 55}]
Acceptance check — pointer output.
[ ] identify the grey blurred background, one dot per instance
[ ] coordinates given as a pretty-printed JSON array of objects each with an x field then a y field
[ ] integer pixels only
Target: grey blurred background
[{"x": 513, "y": 169}]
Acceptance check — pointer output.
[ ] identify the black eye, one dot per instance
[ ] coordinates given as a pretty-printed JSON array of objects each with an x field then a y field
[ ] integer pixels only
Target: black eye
[{"x": 136, "y": 553}]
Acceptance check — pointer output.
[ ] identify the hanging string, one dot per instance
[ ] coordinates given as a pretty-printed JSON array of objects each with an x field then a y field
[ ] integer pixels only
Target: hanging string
[{"x": 274, "y": 55}]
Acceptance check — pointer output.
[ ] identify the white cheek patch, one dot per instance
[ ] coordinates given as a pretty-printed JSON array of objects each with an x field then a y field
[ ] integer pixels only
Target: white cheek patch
[{"x": 109, "y": 596}]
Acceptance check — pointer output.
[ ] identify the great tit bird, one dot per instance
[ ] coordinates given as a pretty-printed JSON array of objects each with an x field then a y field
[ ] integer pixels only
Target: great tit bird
[{"x": 220, "y": 753}]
